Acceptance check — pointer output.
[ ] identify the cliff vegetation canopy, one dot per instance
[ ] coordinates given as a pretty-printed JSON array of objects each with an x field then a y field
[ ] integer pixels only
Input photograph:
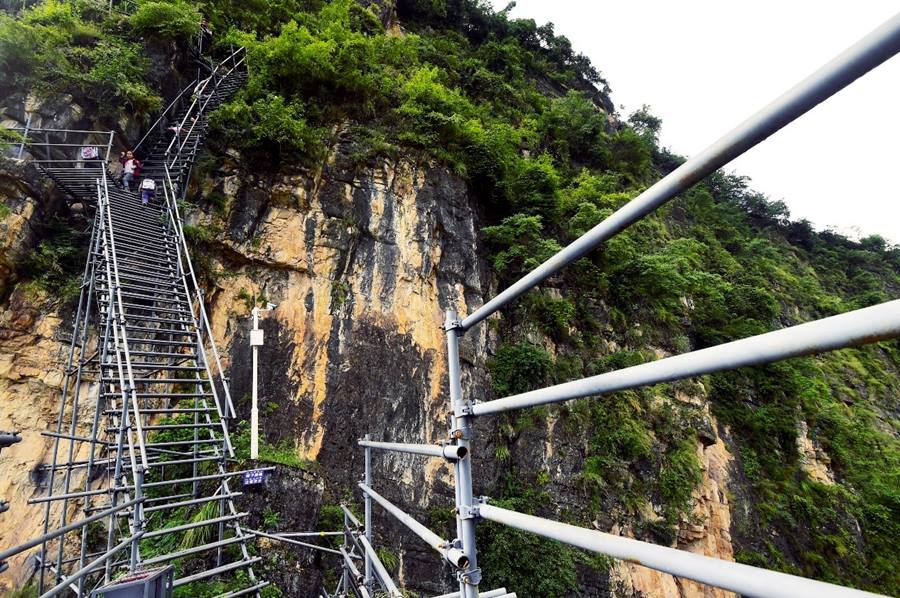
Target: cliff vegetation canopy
[{"x": 510, "y": 106}]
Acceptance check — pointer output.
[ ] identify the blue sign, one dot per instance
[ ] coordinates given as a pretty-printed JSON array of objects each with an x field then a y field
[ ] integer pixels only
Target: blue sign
[{"x": 254, "y": 477}]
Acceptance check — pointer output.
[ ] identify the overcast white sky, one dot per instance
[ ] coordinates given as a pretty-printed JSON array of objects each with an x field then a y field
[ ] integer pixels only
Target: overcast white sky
[{"x": 705, "y": 65}]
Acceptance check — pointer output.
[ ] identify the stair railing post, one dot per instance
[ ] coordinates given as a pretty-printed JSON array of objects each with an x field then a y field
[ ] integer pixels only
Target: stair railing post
[
  {"x": 198, "y": 388},
  {"x": 461, "y": 435},
  {"x": 87, "y": 291},
  {"x": 369, "y": 581},
  {"x": 80, "y": 322},
  {"x": 24, "y": 137},
  {"x": 108, "y": 148},
  {"x": 344, "y": 572},
  {"x": 137, "y": 525}
]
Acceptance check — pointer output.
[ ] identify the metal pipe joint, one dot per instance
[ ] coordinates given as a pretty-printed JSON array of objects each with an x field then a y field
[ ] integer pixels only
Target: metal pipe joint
[
  {"x": 8, "y": 439},
  {"x": 448, "y": 451},
  {"x": 456, "y": 557}
]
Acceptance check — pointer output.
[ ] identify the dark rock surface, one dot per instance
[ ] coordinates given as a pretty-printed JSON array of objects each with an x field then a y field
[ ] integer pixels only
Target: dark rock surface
[{"x": 292, "y": 498}]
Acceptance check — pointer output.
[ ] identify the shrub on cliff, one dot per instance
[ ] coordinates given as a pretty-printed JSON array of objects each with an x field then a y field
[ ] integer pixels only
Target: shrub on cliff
[
  {"x": 167, "y": 19},
  {"x": 62, "y": 47},
  {"x": 519, "y": 368}
]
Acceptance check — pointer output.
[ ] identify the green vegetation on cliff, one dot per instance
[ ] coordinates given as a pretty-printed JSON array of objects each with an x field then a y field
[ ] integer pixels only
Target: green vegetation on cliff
[
  {"x": 509, "y": 106},
  {"x": 77, "y": 48}
]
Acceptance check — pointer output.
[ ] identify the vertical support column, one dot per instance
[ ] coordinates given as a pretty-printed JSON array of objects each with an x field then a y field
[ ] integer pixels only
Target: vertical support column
[
  {"x": 344, "y": 572},
  {"x": 137, "y": 522},
  {"x": 461, "y": 435},
  {"x": 108, "y": 148},
  {"x": 195, "y": 466},
  {"x": 254, "y": 408},
  {"x": 220, "y": 554},
  {"x": 368, "y": 502},
  {"x": 223, "y": 456},
  {"x": 24, "y": 138}
]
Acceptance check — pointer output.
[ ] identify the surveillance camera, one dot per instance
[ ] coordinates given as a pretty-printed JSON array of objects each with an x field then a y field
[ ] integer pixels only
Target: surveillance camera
[{"x": 271, "y": 306}]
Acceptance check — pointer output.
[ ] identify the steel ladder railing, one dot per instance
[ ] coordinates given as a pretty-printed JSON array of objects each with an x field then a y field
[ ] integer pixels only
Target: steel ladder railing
[{"x": 158, "y": 442}]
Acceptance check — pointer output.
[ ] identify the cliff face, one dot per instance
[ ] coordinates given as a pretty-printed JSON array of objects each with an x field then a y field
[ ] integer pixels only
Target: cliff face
[
  {"x": 362, "y": 256},
  {"x": 361, "y": 262},
  {"x": 707, "y": 532},
  {"x": 32, "y": 357}
]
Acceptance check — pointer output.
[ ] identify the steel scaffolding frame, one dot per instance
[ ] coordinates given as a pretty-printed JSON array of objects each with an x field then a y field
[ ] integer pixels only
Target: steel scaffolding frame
[
  {"x": 139, "y": 278},
  {"x": 151, "y": 380},
  {"x": 846, "y": 330}
]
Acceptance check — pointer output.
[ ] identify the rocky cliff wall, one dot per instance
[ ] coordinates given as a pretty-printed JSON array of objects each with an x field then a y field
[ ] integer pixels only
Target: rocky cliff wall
[
  {"x": 33, "y": 346},
  {"x": 361, "y": 261}
]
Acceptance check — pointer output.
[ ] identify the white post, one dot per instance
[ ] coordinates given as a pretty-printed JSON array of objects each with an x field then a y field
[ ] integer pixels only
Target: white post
[{"x": 256, "y": 340}]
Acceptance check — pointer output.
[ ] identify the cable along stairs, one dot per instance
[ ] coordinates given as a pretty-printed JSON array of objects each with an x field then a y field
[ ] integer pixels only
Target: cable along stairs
[{"x": 139, "y": 475}]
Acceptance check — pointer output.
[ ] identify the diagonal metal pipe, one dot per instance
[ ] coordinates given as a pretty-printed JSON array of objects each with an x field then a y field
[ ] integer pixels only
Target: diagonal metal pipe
[
  {"x": 379, "y": 569},
  {"x": 856, "y": 61},
  {"x": 66, "y": 529},
  {"x": 743, "y": 579},
  {"x": 858, "y": 327},
  {"x": 454, "y": 556}
]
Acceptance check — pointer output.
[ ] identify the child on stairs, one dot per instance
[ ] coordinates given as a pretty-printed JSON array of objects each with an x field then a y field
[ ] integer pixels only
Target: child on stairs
[{"x": 148, "y": 190}]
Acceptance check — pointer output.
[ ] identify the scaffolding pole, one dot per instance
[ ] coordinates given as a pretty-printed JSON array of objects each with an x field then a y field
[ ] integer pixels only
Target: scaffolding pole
[
  {"x": 743, "y": 579},
  {"x": 867, "y": 325},
  {"x": 856, "y": 61}
]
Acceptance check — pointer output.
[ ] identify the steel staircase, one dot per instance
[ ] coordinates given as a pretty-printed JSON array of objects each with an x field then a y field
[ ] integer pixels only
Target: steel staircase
[{"x": 139, "y": 474}]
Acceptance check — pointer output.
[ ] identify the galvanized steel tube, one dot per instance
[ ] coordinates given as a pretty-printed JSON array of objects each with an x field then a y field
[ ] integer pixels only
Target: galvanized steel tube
[
  {"x": 380, "y": 572},
  {"x": 489, "y": 594},
  {"x": 349, "y": 514},
  {"x": 80, "y": 573},
  {"x": 862, "y": 326},
  {"x": 431, "y": 538},
  {"x": 743, "y": 579},
  {"x": 290, "y": 541},
  {"x": 359, "y": 579},
  {"x": 448, "y": 451},
  {"x": 856, "y": 61},
  {"x": 68, "y": 528},
  {"x": 461, "y": 432},
  {"x": 368, "y": 511}
]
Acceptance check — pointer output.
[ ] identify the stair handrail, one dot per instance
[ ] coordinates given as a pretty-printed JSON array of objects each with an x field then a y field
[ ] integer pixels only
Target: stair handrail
[
  {"x": 120, "y": 337},
  {"x": 195, "y": 294},
  {"x": 196, "y": 100},
  {"x": 163, "y": 114},
  {"x": 199, "y": 112},
  {"x": 192, "y": 85}
]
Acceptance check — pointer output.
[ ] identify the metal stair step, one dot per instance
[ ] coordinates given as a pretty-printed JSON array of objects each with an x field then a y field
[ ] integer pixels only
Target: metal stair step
[
  {"x": 189, "y": 551},
  {"x": 216, "y": 571},
  {"x": 163, "y": 395},
  {"x": 168, "y": 331},
  {"x": 165, "y": 411},
  {"x": 192, "y": 525},
  {"x": 246, "y": 591},
  {"x": 143, "y": 365},
  {"x": 185, "y": 503}
]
